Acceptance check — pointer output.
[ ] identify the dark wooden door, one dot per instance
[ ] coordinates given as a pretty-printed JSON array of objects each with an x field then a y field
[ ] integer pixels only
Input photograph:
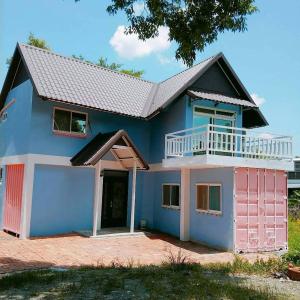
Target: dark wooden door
[{"x": 114, "y": 201}]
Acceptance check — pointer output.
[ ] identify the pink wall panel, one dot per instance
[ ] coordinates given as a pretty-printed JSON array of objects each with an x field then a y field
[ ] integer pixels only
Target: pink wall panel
[
  {"x": 260, "y": 210},
  {"x": 13, "y": 197}
]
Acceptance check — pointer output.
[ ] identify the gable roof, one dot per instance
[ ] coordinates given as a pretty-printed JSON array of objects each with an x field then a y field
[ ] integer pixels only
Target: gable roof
[
  {"x": 118, "y": 142},
  {"x": 69, "y": 80}
]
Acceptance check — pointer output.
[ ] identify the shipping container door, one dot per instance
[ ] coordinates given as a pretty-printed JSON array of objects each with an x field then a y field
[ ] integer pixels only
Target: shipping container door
[
  {"x": 13, "y": 197},
  {"x": 260, "y": 210}
]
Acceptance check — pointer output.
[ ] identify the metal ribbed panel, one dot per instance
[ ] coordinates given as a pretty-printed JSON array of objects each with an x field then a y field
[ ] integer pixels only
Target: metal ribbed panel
[
  {"x": 13, "y": 197},
  {"x": 260, "y": 210}
]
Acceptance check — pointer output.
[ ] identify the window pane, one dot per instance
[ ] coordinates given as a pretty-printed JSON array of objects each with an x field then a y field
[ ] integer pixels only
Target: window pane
[
  {"x": 62, "y": 120},
  {"x": 166, "y": 195},
  {"x": 175, "y": 195},
  {"x": 202, "y": 197},
  {"x": 225, "y": 113},
  {"x": 204, "y": 110},
  {"x": 78, "y": 122},
  {"x": 215, "y": 198}
]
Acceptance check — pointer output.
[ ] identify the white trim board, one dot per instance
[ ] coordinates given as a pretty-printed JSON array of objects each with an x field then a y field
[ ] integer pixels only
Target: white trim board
[{"x": 218, "y": 161}]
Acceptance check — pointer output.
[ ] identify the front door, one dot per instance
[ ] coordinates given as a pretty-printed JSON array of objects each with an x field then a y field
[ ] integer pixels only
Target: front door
[{"x": 114, "y": 201}]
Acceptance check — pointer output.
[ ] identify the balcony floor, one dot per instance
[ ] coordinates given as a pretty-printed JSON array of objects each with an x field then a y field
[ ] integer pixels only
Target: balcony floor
[{"x": 217, "y": 161}]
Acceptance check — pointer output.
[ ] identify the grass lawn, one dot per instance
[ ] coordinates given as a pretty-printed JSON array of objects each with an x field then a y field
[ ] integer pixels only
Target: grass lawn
[
  {"x": 169, "y": 281},
  {"x": 294, "y": 235}
]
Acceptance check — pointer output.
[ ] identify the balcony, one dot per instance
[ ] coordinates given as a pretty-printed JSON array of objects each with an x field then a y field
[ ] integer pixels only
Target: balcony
[{"x": 213, "y": 145}]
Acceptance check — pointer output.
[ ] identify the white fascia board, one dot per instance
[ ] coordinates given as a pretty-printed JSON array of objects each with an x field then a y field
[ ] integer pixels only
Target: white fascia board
[{"x": 217, "y": 161}]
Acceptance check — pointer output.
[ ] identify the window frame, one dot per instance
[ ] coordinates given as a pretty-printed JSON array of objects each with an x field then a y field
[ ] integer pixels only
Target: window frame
[
  {"x": 210, "y": 211},
  {"x": 214, "y": 115},
  {"x": 162, "y": 196},
  {"x": 69, "y": 133}
]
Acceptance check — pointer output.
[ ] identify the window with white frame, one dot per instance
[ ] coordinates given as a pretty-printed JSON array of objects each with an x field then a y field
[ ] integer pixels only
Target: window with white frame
[
  {"x": 69, "y": 122},
  {"x": 171, "y": 195},
  {"x": 209, "y": 198}
]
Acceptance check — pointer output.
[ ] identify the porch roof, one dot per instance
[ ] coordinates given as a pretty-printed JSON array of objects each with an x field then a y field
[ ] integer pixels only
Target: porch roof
[{"x": 120, "y": 145}]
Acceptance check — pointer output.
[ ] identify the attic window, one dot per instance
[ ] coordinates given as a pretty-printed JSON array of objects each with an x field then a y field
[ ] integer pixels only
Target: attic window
[{"x": 69, "y": 122}]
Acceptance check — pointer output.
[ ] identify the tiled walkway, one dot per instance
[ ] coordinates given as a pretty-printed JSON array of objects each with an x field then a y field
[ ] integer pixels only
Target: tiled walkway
[{"x": 75, "y": 250}]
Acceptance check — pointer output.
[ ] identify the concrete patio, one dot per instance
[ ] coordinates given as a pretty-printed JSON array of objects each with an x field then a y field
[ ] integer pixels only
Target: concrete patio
[{"x": 74, "y": 250}]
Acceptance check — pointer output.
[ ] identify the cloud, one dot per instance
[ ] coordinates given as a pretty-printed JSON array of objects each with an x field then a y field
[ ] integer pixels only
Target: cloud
[
  {"x": 165, "y": 60},
  {"x": 258, "y": 100},
  {"x": 129, "y": 46}
]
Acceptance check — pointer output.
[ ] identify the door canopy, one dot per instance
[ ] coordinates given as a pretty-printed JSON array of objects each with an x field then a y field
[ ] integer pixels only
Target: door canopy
[{"x": 118, "y": 143}]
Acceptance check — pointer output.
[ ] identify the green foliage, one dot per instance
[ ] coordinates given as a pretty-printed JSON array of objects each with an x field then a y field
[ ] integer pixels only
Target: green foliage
[
  {"x": 192, "y": 24},
  {"x": 102, "y": 62},
  {"x": 37, "y": 42},
  {"x": 294, "y": 235},
  {"x": 33, "y": 41},
  {"x": 292, "y": 257},
  {"x": 191, "y": 281}
]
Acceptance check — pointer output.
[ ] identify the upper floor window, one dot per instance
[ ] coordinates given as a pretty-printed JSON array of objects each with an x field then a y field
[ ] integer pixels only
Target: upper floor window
[
  {"x": 170, "y": 195},
  {"x": 208, "y": 198},
  {"x": 69, "y": 122},
  {"x": 205, "y": 116}
]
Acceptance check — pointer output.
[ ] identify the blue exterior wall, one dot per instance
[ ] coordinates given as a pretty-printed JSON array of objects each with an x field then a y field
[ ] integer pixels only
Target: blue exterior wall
[
  {"x": 44, "y": 141},
  {"x": 15, "y": 130},
  {"x": 213, "y": 230},
  {"x": 62, "y": 200},
  {"x": 149, "y": 206}
]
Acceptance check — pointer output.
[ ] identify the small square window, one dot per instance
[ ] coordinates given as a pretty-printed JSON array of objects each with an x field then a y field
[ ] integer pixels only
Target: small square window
[
  {"x": 170, "y": 196},
  {"x": 208, "y": 197},
  {"x": 70, "y": 122}
]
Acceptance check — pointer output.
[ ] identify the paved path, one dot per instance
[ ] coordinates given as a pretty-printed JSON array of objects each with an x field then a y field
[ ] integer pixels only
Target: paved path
[{"x": 75, "y": 250}]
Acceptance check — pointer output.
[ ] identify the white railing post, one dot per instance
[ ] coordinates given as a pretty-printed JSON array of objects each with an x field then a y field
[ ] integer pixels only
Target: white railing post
[{"x": 227, "y": 140}]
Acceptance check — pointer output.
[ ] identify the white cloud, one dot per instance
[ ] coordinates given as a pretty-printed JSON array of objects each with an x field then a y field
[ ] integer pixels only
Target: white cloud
[
  {"x": 129, "y": 46},
  {"x": 258, "y": 100},
  {"x": 138, "y": 7},
  {"x": 165, "y": 60}
]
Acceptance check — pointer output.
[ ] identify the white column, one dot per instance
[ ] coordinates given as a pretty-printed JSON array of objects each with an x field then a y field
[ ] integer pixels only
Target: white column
[
  {"x": 133, "y": 198},
  {"x": 97, "y": 198},
  {"x": 27, "y": 198},
  {"x": 185, "y": 205}
]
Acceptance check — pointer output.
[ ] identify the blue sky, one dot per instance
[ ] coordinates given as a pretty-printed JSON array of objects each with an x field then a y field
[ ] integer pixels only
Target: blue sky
[{"x": 266, "y": 57}]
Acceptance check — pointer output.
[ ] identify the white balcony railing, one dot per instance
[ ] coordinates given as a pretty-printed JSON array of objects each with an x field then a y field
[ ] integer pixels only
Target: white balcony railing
[{"x": 227, "y": 141}]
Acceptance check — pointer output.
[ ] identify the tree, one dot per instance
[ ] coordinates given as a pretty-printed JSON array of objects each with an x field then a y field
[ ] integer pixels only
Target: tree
[
  {"x": 192, "y": 24},
  {"x": 102, "y": 62},
  {"x": 33, "y": 41}
]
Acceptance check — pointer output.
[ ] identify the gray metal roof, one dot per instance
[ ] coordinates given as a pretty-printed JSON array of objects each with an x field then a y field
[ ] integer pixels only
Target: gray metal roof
[
  {"x": 69, "y": 80},
  {"x": 220, "y": 98},
  {"x": 73, "y": 81}
]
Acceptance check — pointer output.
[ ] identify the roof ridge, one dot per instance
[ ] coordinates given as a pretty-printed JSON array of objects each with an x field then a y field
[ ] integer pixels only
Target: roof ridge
[
  {"x": 200, "y": 62},
  {"x": 85, "y": 63}
]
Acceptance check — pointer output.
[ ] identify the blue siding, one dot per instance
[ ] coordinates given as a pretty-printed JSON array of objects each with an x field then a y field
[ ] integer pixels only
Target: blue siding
[
  {"x": 15, "y": 130},
  {"x": 43, "y": 141},
  {"x": 150, "y": 207},
  {"x": 170, "y": 120},
  {"x": 211, "y": 229},
  {"x": 62, "y": 200}
]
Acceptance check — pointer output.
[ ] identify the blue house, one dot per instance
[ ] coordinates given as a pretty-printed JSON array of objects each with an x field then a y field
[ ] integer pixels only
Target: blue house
[{"x": 86, "y": 149}]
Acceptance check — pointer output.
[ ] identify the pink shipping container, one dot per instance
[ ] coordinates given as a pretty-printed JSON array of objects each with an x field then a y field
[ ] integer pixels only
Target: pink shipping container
[
  {"x": 260, "y": 210},
  {"x": 13, "y": 198}
]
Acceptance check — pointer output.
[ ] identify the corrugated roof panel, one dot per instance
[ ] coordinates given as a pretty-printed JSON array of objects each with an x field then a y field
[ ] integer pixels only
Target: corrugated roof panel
[
  {"x": 73, "y": 81},
  {"x": 220, "y": 98}
]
